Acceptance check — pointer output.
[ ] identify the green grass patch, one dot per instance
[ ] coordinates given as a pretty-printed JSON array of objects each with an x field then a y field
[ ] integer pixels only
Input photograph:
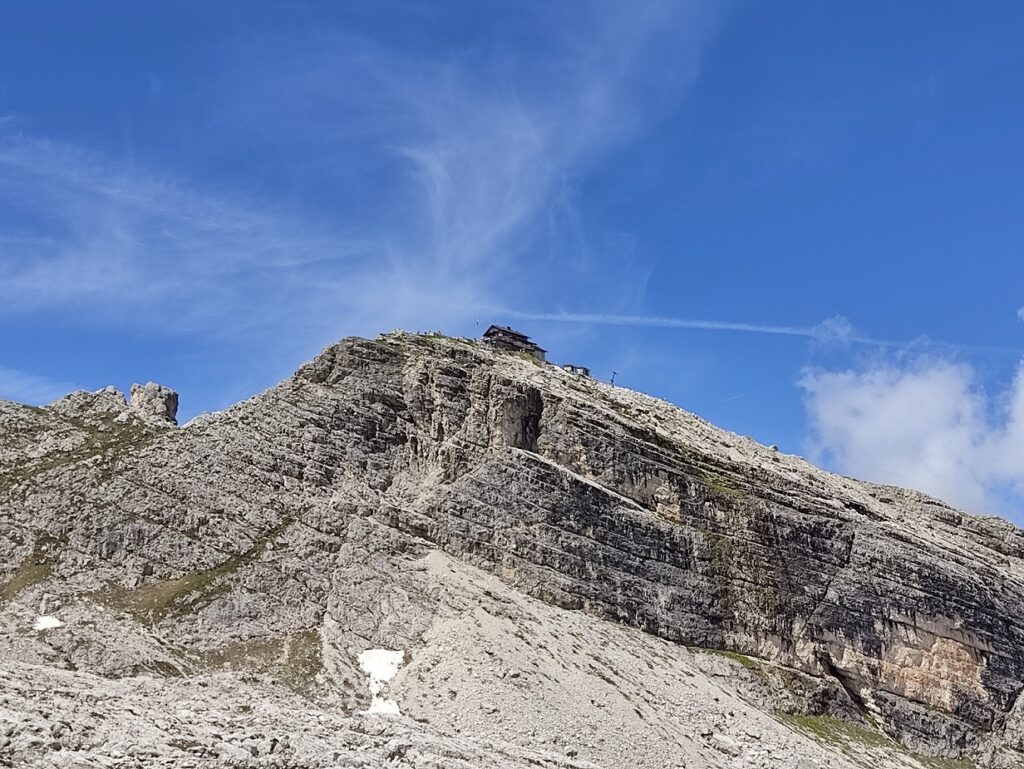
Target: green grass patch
[
  {"x": 719, "y": 486},
  {"x": 295, "y": 659},
  {"x": 32, "y": 570},
  {"x": 258, "y": 654},
  {"x": 832, "y": 731},
  {"x": 303, "y": 661},
  {"x": 748, "y": 662},
  {"x": 946, "y": 763},
  {"x": 105, "y": 441},
  {"x": 856, "y": 741},
  {"x": 158, "y": 600}
]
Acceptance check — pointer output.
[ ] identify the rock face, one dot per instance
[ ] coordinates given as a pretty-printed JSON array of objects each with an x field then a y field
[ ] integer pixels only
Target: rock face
[
  {"x": 573, "y": 545},
  {"x": 154, "y": 402}
]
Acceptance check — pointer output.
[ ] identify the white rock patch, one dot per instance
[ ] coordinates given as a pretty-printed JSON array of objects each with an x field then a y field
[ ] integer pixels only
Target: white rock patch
[
  {"x": 47, "y": 622},
  {"x": 381, "y": 665}
]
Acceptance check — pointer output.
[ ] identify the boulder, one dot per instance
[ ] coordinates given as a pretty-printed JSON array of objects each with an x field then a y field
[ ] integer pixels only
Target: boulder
[{"x": 154, "y": 402}]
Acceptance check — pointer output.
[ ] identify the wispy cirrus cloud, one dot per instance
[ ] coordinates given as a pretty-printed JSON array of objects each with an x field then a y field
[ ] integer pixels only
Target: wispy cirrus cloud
[
  {"x": 87, "y": 233},
  {"x": 437, "y": 177}
]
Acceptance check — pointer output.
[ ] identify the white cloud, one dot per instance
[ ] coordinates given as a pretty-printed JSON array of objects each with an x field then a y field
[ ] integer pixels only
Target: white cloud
[
  {"x": 926, "y": 425},
  {"x": 1020, "y": 313}
]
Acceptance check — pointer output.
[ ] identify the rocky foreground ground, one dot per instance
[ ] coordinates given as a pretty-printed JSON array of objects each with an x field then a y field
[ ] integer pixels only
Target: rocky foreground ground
[{"x": 422, "y": 552}]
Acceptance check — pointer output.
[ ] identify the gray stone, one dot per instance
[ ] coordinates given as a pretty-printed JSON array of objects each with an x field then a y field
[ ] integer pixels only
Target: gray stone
[
  {"x": 488, "y": 515},
  {"x": 154, "y": 402}
]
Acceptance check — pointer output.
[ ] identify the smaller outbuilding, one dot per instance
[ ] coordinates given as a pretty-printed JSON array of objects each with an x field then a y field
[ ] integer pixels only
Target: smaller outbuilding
[{"x": 578, "y": 370}]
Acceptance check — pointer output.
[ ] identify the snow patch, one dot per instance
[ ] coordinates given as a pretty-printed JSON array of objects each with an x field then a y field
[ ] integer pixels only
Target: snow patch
[
  {"x": 380, "y": 666},
  {"x": 47, "y": 622}
]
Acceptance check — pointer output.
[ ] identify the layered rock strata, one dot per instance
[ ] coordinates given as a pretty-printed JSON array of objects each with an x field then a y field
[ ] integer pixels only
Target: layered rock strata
[{"x": 283, "y": 532}]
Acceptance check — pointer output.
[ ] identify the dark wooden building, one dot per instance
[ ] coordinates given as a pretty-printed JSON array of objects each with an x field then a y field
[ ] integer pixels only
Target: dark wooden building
[{"x": 505, "y": 338}]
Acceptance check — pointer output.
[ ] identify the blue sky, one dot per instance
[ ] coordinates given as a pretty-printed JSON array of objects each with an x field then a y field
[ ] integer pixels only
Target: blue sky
[{"x": 799, "y": 220}]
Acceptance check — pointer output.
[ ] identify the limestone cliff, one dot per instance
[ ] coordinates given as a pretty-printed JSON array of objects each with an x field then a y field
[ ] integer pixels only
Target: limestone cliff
[{"x": 415, "y": 491}]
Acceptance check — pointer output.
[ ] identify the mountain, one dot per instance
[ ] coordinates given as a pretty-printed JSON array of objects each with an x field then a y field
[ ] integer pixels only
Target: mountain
[{"x": 425, "y": 552}]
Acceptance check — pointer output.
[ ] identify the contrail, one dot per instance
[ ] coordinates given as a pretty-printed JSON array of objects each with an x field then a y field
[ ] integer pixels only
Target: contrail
[{"x": 837, "y": 332}]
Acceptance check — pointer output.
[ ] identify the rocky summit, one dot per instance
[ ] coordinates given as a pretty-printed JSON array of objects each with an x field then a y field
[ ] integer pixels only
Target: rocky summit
[{"x": 425, "y": 552}]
